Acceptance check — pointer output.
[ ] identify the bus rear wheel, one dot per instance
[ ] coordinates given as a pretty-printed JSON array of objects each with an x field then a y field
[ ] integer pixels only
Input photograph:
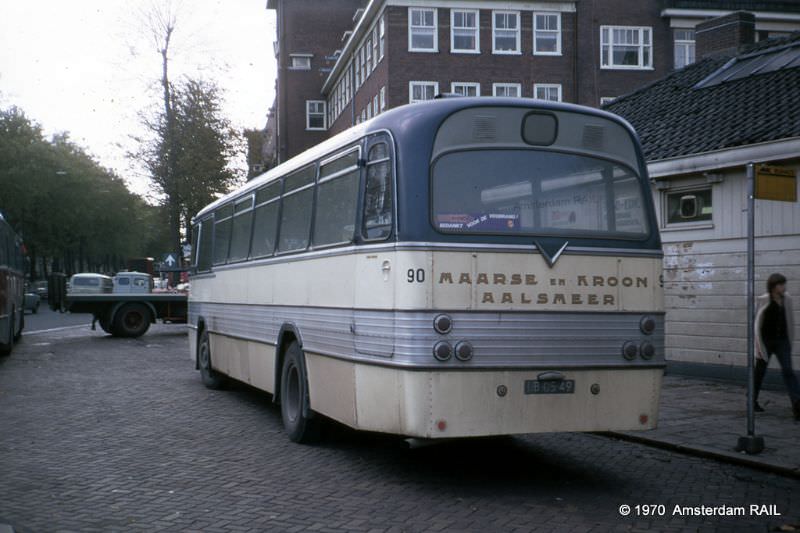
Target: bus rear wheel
[
  {"x": 18, "y": 334},
  {"x": 132, "y": 320},
  {"x": 300, "y": 423},
  {"x": 5, "y": 348},
  {"x": 211, "y": 379}
]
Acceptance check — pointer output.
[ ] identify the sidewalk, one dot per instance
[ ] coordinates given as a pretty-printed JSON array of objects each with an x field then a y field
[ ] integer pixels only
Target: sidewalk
[{"x": 707, "y": 417}]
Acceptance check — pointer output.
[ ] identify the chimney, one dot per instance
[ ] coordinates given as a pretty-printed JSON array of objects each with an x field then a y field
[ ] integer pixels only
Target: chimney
[{"x": 724, "y": 35}]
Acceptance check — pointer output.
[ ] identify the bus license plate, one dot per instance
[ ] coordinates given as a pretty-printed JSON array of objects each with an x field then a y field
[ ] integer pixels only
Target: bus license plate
[{"x": 564, "y": 386}]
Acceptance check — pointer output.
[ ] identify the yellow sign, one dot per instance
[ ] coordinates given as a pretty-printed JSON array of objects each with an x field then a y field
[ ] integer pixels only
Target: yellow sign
[{"x": 776, "y": 183}]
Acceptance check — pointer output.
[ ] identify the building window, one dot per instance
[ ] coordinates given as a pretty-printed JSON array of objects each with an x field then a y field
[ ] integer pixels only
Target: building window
[
  {"x": 465, "y": 88},
  {"x": 375, "y": 52},
  {"x": 464, "y": 36},
  {"x": 315, "y": 115},
  {"x": 513, "y": 90},
  {"x": 383, "y": 98},
  {"x": 505, "y": 32},
  {"x": 604, "y": 100},
  {"x": 363, "y": 115},
  {"x": 368, "y": 51},
  {"x": 419, "y": 91},
  {"x": 375, "y": 109},
  {"x": 300, "y": 62},
  {"x": 626, "y": 47},
  {"x": 547, "y": 91},
  {"x": 684, "y": 48},
  {"x": 382, "y": 32},
  {"x": 422, "y": 30},
  {"x": 688, "y": 207},
  {"x": 547, "y": 34}
]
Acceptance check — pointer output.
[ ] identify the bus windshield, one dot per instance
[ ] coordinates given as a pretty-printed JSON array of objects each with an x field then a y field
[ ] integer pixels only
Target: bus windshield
[{"x": 536, "y": 192}]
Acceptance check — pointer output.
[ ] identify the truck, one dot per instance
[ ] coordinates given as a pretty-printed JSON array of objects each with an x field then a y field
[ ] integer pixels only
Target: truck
[{"x": 126, "y": 311}]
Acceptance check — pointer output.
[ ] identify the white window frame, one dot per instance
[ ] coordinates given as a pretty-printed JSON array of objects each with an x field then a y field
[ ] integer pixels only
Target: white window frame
[
  {"x": 383, "y": 98},
  {"x": 517, "y": 86},
  {"x": 477, "y": 30},
  {"x": 607, "y": 100},
  {"x": 518, "y": 50},
  {"x": 375, "y": 109},
  {"x": 685, "y": 45},
  {"x": 609, "y": 31},
  {"x": 411, "y": 85},
  {"x": 368, "y": 53},
  {"x": 382, "y": 35},
  {"x": 557, "y": 31},
  {"x": 545, "y": 86},
  {"x": 309, "y": 103},
  {"x": 435, "y": 29},
  {"x": 375, "y": 50},
  {"x": 306, "y": 57},
  {"x": 466, "y": 84}
]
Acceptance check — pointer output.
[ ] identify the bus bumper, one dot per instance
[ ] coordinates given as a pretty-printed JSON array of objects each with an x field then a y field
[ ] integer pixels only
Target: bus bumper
[{"x": 470, "y": 403}]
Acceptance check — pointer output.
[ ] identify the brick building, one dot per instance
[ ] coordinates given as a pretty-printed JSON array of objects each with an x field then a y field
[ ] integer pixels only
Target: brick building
[{"x": 344, "y": 61}]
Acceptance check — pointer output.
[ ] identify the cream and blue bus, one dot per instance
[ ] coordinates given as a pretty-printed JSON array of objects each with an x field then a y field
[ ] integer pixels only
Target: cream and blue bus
[{"x": 455, "y": 268}]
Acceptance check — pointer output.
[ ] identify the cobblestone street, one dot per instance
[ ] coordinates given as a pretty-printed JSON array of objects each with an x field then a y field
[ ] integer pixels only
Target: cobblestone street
[{"x": 106, "y": 434}]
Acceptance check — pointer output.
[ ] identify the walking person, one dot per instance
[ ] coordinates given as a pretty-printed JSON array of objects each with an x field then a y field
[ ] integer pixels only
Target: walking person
[{"x": 774, "y": 331}]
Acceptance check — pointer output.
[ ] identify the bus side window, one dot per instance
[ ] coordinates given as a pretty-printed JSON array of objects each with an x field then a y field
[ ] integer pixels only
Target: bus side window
[
  {"x": 265, "y": 227},
  {"x": 206, "y": 241},
  {"x": 223, "y": 220},
  {"x": 298, "y": 199},
  {"x": 242, "y": 222},
  {"x": 378, "y": 194},
  {"x": 337, "y": 200}
]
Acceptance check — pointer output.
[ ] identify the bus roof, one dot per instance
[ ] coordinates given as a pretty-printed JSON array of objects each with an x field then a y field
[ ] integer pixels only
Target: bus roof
[{"x": 396, "y": 120}]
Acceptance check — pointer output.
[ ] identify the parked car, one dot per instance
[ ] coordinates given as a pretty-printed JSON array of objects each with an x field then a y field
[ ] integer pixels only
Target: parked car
[
  {"x": 87, "y": 283},
  {"x": 32, "y": 302},
  {"x": 133, "y": 283},
  {"x": 40, "y": 288}
]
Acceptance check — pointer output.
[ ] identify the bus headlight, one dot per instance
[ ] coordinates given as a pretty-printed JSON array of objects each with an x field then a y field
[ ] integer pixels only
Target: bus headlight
[
  {"x": 464, "y": 351},
  {"x": 442, "y": 350},
  {"x": 648, "y": 325},
  {"x": 629, "y": 350},
  {"x": 647, "y": 350},
  {"x": 443, "y": 324}
]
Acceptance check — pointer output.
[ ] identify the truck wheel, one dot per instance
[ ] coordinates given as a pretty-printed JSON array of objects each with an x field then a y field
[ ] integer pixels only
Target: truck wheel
[
  {"x": 132, "y": 320},
  {"x": 105, "y": 326},
  {"x": 300, "y": 423},
  {"x": 210, "y": 377}
]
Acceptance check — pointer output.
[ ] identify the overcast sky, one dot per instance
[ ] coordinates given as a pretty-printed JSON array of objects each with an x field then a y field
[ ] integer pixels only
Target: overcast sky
[{"x": 89, "y": 67}]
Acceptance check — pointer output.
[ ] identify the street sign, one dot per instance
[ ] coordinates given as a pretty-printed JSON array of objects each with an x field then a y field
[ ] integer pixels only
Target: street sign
[
  {"x": 169, "y": 260},
  {"x": 776, "y": 183}
]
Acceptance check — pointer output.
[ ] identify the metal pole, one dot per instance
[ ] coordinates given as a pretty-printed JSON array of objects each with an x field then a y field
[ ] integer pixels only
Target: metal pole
[
  {"x": 751, "y": 274},
  {"x": 750, "y": 444}
]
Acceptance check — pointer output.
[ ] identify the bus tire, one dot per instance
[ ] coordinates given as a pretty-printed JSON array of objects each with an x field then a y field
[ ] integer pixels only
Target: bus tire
[
  {"x": 211, "y": 379},
  {"x": 298, "y": 420},
  {"x": 5, "y": 348},
  {"x": 18, "y": 334},
  {"x": 132, "y": 320}
]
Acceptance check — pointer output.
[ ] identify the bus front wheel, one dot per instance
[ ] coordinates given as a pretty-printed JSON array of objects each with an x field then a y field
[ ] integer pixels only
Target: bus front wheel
[
  {"x": 300, "y": 423},
  {"x": 211, "y": 379}
]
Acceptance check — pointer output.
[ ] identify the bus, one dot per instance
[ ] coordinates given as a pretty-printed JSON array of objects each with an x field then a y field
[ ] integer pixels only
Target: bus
[
  {"x": 12, "y": 283},
  {"x": 455, "y": 268}
]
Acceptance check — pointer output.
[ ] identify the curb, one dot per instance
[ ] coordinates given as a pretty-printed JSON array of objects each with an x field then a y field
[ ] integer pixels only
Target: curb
[{"x": 707, "y": 453}]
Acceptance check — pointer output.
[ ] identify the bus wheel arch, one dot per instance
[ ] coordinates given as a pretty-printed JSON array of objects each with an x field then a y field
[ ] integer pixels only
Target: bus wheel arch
[
  {"x": 211, "y": 378},
  {"x": 201, "y": 327},
  {"x": 286, "y": 336}
]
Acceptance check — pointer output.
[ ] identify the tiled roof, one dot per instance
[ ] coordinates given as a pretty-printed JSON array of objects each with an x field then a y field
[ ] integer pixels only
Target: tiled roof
[
  {"x": 674, "y": 118},
  {"x": 736, "y": 5}
]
